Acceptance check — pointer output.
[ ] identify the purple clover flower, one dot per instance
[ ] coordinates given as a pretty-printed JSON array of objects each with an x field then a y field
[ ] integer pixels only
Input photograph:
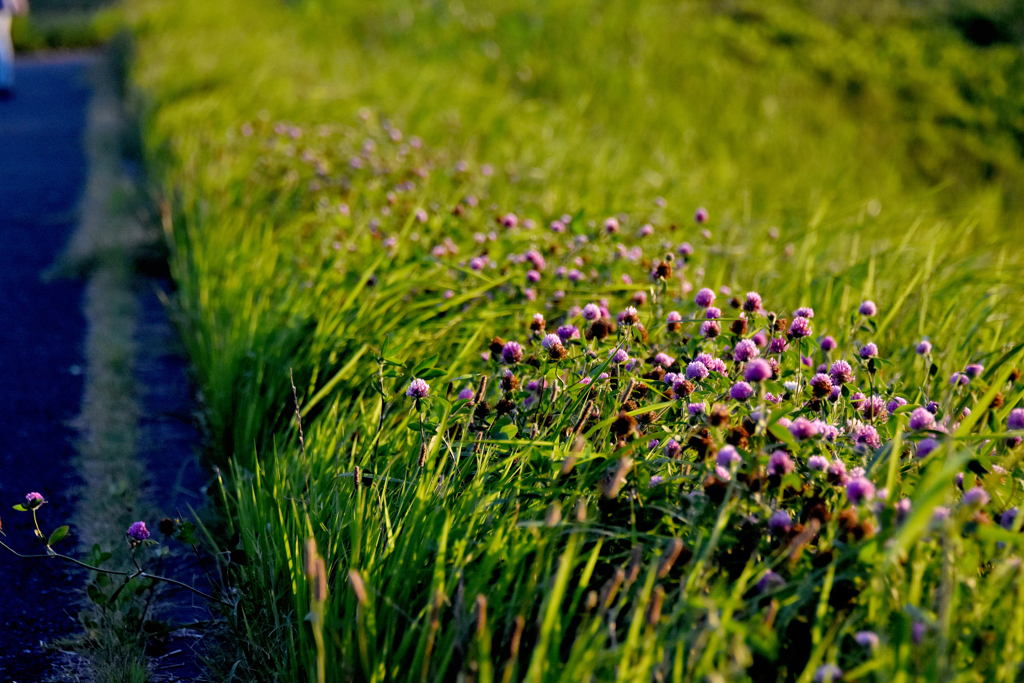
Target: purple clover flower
[
  {"x": 138, "y": 532},
  {"x": 512, "y": 353},
  {"x": 924, "y": 348},
  {"x": 418, "y": 389},
  {"x": 567, "y": 332},
  {"x": 778, "y": 345},
  {"x": 672, "y": 448},
  {"x": 779, "y": 523},
  {"x": 779, "y": 463},
  {"x": 921, "y": 419},
  {"x": 745, "y": 350},
  {"x": 1007, "y": 519},
  {"x": 976, "y": 497},
  {"x": 1015, "y": 421},
  {"x": 800, "y": 327},
  {"x": 866, "y": 639},
  {"x": 695, "y": 409},
  {"x": 757, "y": 370},
  {"x": 728, "y": 456},
  {"x": 926, "y": 446},
  {"x": 841, "y": 372},
  {"x": 817, "y": 463},
  {"x": 664, "y": 360},
  {"x": 895, "y": 403},
  {"x": 710, "y": 329},
  {"x": 974, "y": 370},
  {"x": 701, "y": 215},
  {"x": 866, "y": 435},
  {"x": 591, "y": 312},
  {"x": 902, "y": 508},
  {"x": 705, "y": 297},
  {"x": 712, "y": 313},
  {"x": 711, "y": 363},
  {"x": 868, "y": 308},
  {"x": 860, "y": 490},
  {"x": 696, "y": 370},
  {"x": 760, "y": 338},
  {"x": 619, "y": 356},
  {"x": 466, "y": 394},
  {"x": 769, "y": 582},
  {"x": 551, "y": 341},
  {"x": 828, "y": 344},
  {"x": 801, "y": 428},
  {"x": 828, "y": 673},
  {"x": 869, "y": 350},
  {"x": 741, "y": 391},
  {"x": 752, "y": 304}
]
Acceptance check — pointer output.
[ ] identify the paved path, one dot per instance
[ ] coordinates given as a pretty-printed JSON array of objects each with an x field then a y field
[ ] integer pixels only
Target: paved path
[{"x": 42, "y": 173}]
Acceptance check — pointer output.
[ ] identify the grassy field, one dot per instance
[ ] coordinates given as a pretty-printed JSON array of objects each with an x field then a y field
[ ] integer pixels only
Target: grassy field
[{"x": 363, "y": 196}]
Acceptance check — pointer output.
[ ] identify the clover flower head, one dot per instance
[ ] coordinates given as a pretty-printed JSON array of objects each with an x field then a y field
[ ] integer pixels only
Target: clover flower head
[
  {"x": 752, "y": 303},
  {"x": 701, "y": 215},
  {"x": 511, "y": 353},
  {"x": 674, "y": 317},
  {"x": 859, "y": 490},
  {"x": 974, "y": 370},
  {"x": 567, "y": 332},
  {"x": 711, "y": 363},
  {"x": 138, "y": 532},
  {"x": 618, "y": 356},
  {"x": 828, "y": 344},
  {"x": 664, "y": 360},
  {"x": 926, "y": 446},
  {"x": 550, "y": 341},
  {"x": 418, "y": 388},
  {"x": 710, "y": 329},
  {"x": 705, "y": 297},
  {"x": 712, "y": 313},
  {"x": 817, "y": 463},
  {"x": 780, "y": 463},
  {"x": 821, "y": 385},
  {"x": 728, "y": 456},
  {"x": 778, "y": 345},
  {"x": 921, "y": 418},
  {"x": 841, "y": 372},
  {"x": 924, "y": 347},
  {"x": 611, "y": 225},
  {"x": 902, "y": 507},
  {"x": 828, "y": 673},
  {"x": 804, "y": 312},
  {"x": 696, "y": 370},
  {"x": 780, "y": 522},
  {"x": 741, "y": 391},
  {"x": 868, "y": 308},
  {"x": 869, "y": 350},
  {"x": 1015, "y": 421},
  {"x": 745, "y": 350},
  {"x": 466, "y": 394},
  {"x": 629, "y": 316},
  {"x": 672, "y": 448},
  {"x": 757, "y": 370},
  {"x": 591, "y": 312},
  {"x": 866, "y": 639},
  {"x": 800, "y": 327},
  {"x": 1007, "y": 519},
  {"x": 510, "y": 220},
  {"x": 976, "y": 497},
  {"x": 770, "y": 581},
  {"x": 695, "y": 409},
  {"x": 895, "y": 403},
  {"x": 801, "y": 428},
  {"x": 866, "y": 435}
]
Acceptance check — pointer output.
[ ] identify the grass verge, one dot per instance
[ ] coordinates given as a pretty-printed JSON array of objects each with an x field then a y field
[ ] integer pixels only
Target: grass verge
[{"x": 326, "y": 259}]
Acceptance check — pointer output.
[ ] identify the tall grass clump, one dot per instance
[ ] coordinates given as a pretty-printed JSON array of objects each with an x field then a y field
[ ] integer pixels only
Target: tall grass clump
[{"x": 497, "y": 399}]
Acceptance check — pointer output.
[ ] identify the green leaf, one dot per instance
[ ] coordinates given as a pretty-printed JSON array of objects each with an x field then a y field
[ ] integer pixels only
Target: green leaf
[
  {"x": 20, "y": 508},
  {"x": 58, "y": 535}
]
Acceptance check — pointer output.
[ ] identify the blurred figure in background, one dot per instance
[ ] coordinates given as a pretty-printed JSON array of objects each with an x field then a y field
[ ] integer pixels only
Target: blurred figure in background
[{"x": 8, "y": 8}]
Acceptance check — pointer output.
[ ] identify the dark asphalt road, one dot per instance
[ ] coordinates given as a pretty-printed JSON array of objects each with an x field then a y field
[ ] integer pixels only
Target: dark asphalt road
[{"x": 42, "y": 174}]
